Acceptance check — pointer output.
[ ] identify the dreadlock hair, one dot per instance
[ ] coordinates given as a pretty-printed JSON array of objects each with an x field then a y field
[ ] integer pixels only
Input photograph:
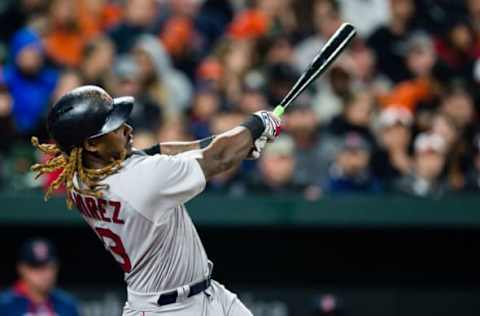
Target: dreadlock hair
[{"x": 72, "y": 165}]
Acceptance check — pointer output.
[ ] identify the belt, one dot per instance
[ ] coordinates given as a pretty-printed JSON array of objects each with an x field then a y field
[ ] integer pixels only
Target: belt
[{"x": 190, "y": 290}]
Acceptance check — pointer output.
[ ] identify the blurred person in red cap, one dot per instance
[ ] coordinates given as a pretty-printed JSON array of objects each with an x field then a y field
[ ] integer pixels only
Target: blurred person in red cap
[
  {"x": 425, "y": 178},
  {"x": 34, "y": 293},
  {"x": 328, "y": 305},
  {"x": 392, "y": 160}
]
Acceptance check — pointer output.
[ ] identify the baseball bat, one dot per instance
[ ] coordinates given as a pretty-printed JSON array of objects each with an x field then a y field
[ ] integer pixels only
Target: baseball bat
[{"x": 327, "y": 55}]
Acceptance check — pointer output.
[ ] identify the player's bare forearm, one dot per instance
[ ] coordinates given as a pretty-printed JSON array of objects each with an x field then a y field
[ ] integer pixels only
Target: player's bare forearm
[{"x": 226, "y": 151}]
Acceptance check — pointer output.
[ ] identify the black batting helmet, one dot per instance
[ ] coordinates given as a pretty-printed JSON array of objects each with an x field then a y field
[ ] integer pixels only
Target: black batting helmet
[{"x": 84, "y": 113}]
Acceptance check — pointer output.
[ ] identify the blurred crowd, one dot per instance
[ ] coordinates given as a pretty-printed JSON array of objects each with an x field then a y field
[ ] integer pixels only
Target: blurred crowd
[{"x": 396, "y": 113}]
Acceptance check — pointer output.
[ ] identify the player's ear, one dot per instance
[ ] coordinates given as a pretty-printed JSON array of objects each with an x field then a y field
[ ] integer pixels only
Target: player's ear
[{"x": 91, "y": 145}]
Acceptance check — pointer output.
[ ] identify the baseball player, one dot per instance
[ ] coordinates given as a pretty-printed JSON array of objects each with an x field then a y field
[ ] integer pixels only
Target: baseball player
[{"x": 134, "y": 200}]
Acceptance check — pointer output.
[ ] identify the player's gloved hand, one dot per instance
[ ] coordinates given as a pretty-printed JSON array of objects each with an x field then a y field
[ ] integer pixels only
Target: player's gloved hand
[
  {"x": 258, "y": 147},
  {"x": 272, "y": 124}
]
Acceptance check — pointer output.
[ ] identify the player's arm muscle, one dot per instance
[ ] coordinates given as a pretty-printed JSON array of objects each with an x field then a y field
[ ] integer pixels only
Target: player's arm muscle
[
  {"x": 174, "y": 148},
  {"x": 226, "y": 151}
]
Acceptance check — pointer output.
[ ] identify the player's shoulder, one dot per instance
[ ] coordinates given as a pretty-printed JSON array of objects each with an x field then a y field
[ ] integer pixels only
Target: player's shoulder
[{"x": 140, "y": 159}]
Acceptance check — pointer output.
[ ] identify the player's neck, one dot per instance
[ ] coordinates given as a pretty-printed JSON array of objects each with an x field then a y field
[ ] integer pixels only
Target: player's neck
[{"x": 92, "y": 161}]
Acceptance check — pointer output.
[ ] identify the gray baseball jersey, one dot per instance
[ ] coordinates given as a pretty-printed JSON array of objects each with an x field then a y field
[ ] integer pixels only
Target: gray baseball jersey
[{"x": 142, "y": 221}]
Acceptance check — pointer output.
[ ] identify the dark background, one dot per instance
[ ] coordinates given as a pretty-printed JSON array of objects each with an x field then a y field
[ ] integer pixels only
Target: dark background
[{"x": 394, "y": 271}]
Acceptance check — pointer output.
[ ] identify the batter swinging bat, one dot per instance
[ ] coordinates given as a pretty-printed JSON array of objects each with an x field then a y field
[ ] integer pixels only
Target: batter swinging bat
[{"x": 320, "y": 63}]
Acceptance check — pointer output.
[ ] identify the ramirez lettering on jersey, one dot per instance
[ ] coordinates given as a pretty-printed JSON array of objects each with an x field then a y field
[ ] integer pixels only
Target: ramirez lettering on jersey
[{"x": 100, "y": 209}]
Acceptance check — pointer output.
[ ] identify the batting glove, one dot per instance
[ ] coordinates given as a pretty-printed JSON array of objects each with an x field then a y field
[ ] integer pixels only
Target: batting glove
[
  {"x": 272, "y": 125},
  {"x": 258, "y": 147}
]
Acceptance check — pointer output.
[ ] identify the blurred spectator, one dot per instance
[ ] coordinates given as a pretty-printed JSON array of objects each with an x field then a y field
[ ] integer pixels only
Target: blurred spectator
[
  {"x": 355, "y": 11},
  {"x": 7, "y": 132},
  {"x": 231, "y": 182},
  {"x": 66, "y": 39},
  {"x": 211, "y": 21},
  {"x": 253, "y": 96},
  {"x": 69, "y": 79},
  {"x": 425, "y": 178},
  {"x": 17, "y": 14},
  {"x": 97, "y": 16},
  {"x": 205, "y": 106},
  {"x": 146, "y": 114},
  {"x": 144, "y": 139},
  {"x": 7, "y": 129},
  {"x": 139, "y": 18},
  {"x": 458, "y": 104},
  {"x": 455, "y": 148},
  {"x": 420, "y": 60},
  {"x": 276, "y": 168},
  {"x": 326, "y": 20},
  {"x": 174, "y": 128},
  {"x": 459, "y": 48},
  {"x": 178, "y": 34},
  {"x": 350, "y": 171},
  {"x": 249, "y": 24},
  {"x": 166, "y": 85},
  {"x": 389, "y": 40},
  {"x": 362, "y": 66},
  {"x": 236, "y": 58},
  {"x": 29, "y": 81},
  {"x": 356, "y": 117},
  {"x": 97, "y": 61},
  {"x": 329, "y": 99},
  {"x": 392, "y": 159},
  {"x": 34, "y": 293},
  {"x": 280, "y": 79},
  {"x": 276, "y": 49},
  {"x": 313, "y": 151}
]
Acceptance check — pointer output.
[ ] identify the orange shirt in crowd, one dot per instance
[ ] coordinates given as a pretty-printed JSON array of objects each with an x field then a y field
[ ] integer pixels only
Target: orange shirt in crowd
[
  {"x": 177, "y": 35},
  {"x": 249, "y": 24},
  {"x": 65, "y": 44},
  {"x": 408, "y": 94}
]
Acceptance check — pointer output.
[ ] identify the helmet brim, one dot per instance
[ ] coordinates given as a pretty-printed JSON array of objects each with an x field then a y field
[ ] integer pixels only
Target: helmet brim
[{"x": 122, "y": 107}]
